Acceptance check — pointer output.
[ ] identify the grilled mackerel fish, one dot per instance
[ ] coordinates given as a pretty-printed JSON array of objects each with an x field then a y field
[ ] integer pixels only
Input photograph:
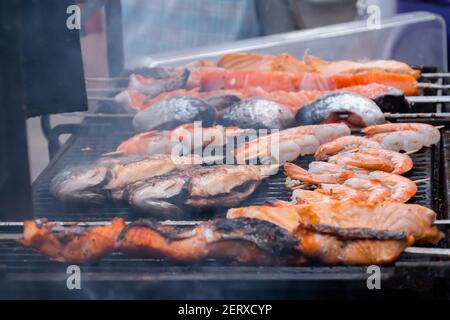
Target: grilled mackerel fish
[
  {"x": 77, "y": 243},
  {"x": 106, "y": 178},
  {"x": 173, "y": 194},
  {"x": 247, "y": 241}
]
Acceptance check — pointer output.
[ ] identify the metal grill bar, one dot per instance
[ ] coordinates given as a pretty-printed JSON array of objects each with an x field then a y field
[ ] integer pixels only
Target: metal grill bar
[
  {"x": 436, "y": 75},
  {"x": 428, "y": 99},
  {"x": 425, "y": 85},
  {"x": 102, "y": 134}
]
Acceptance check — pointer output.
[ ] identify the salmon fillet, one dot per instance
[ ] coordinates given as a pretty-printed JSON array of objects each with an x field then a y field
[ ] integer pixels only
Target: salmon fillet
[{"x": 75, "y": 244}]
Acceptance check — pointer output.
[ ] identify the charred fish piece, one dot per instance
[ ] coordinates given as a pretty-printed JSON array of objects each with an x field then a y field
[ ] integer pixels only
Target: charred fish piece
[
  {"x": 247, "y": 241},
  {"x": 361, "y": 111},
  {"x": 107, "y": 177},
  {"x": 201, "y": 188},
  {"x": 77, "y": 243},
  {"x": 258, "y": 113},
  {"x": 170, "y": 113},
  {"x": 351, "y": 246},
  {"x": 156, "y": 80},
  {"x": 392, "y": 101}
]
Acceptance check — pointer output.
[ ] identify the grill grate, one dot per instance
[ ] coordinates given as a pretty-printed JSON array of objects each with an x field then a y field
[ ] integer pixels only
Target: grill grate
[
  {"x": 22, "y": 268},
  {"x": 446, "y": 168},
  {"x": 97, "y": 139}
]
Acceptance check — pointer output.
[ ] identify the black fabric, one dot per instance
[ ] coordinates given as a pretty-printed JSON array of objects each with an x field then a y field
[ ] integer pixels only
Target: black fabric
[
  {"x": 52, "y": 62},
  {"x": 15, "y": 193}
]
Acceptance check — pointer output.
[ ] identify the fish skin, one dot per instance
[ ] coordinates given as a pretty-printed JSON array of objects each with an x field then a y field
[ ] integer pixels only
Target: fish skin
[
  {"x": 80, "y": 184},
  {"x": 364, "y": 110},
  {"x": 258, "y": 113},
  {"x": 222, "y": 102},
  {"x": 156, "y": 195},
  {"x": 392, "y": 101},
  {"x": 248, "y": 241},
  {"x": 175, "y": 194},
  {"x": 170, "y": 113},
  {"x": 165, "y": 79},
  {"x": 107, "y": 178}
]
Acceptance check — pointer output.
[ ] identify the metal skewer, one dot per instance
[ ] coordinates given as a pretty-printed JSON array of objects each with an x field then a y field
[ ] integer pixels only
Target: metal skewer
[
  {"x": 428, "y": 99},
  {"x": 101, "y": 99},
  {"x": 105, "y": 79},
  {"x": 424, "y": 85},
  {"x": 435, "y": 252},
  {"x": 436, "y": 75},
  {"x": 417, "y": 115},
  {"x": 108, "y": 90},
  {"x": 439, "y": 222},
  {"x": 442, "y": 222}
]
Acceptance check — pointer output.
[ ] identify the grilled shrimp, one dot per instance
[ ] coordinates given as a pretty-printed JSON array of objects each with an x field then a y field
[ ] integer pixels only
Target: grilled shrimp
[
  {"x": 374, "y": 191},
  {"x": 327, "y": 193},
  {"x": 278, "y": 147},
  {"x": 323, "y": 132},
  {"x": 375, "y": 159},
  {"x": 341, "y": 192},
  {"x": 429, "y": 133},
  {"x": 401, "y": 189},
  {"x": 326, "y": 167},
  {"x": 301, "y": 196},
  {"x": 407, "y": 140},
  {"x": 164, "y": 142},
  {"x": 295, "y": 172},
  {"x": 343, "y": 144}
]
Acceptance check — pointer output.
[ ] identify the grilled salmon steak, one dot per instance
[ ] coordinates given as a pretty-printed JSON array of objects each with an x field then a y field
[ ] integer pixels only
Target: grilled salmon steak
[
  {"x": 77, "y": 243},
  {"x": 350, "y": 232},
  {"x": 248, "y": 241},
  {"x": 411, "y": 219}
]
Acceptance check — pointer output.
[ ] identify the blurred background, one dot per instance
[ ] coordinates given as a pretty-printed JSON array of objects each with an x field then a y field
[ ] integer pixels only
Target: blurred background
[{"x": 163, "y": 27}]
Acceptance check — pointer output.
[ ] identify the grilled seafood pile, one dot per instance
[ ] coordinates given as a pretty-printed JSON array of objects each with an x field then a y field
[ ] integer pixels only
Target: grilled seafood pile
[
  {"x": 173, "y": 194},
  {"x": 254, "y": 91},
  {"x": 107, "y": 178},
  {"x": 349, "y": 207},
  {"x": 338, "y": 233},
  {"x": 243, "y": 240},
  {"x": 350, "y": 232},
  {"x": 159, "y": 184},
  {"x": 364, "y": 168},
  {"x": 387, "y": 98},
  {"x": 355, "y": 215},
  {"x": 285, "y": 145},
  {"x": 159, "y": 173}
]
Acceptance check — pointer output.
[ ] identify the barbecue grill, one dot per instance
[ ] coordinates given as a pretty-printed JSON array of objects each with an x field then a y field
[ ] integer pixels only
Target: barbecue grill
[{"x": 24, "y": 273}]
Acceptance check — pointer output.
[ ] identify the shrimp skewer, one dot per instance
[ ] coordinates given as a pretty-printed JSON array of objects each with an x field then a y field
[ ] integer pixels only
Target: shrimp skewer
[
  {"x": 343, "y": 144},
  {"x": 163, "y": 142},
  {"x": 378, "y": 187},
  {"x": 277, "y": 147},
  {"x": 295, "y": 172},
  {"x": 300, "y": 196},
  {"x": 401, "y": 189},
  {"x": 289, "y": 144},
  {"x": 430, "y": 134},
  {"x": 323, "y": 132},
  {"x": 407, "y": 140},
  {"x": 375, "y": 159}
]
